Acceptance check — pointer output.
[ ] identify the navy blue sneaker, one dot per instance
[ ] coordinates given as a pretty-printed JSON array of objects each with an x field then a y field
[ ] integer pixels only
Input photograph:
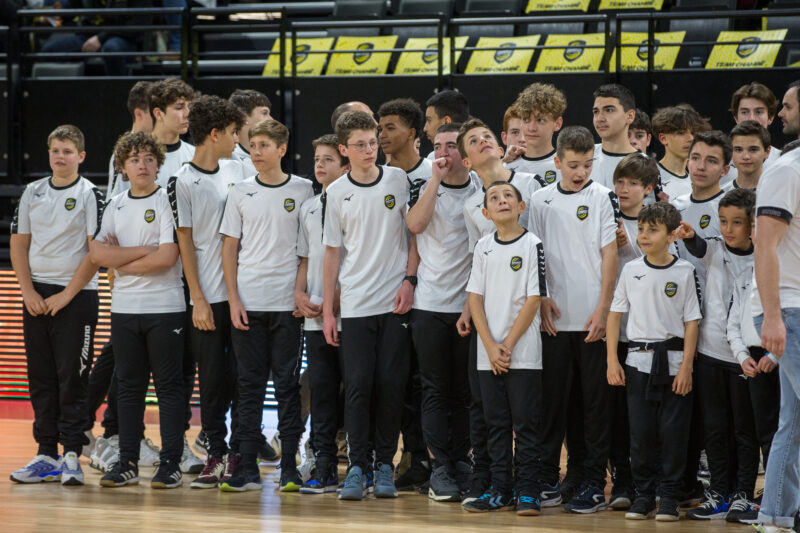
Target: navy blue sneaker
[
  {"x": 491, "y": 500},
  {"x": 245, "y": 477},
  {"x": 590, "y": 499},
  {"x": 528, "y": 503},
  {"x": 550, "y": 495},
  {"x": 714, "y": 508},
  {"x": 324, "y": 478}
]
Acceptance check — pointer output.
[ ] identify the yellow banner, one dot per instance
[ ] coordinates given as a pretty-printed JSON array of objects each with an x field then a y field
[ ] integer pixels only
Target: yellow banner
[
  {"x": 307, "y": 64},
  {"x": 364, "y": 60},
  {"x": 508, "y": 59},
  {"x": 631, "y": 4},
  {"x": 572, "y": 58},
  {"x": 749, "y": 53},
  {"x": 414, "y": 63},
  {"x": 557, "y": 5},
  {"x": 635, "y": 57}
]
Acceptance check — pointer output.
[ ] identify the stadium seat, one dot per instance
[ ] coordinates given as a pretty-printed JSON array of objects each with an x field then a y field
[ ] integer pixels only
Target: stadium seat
[
  {"x": 789, "y": 50},
  {"x": 698, "y": 30},
  {"x": 421, "y": 8},
  {"x": 57, "y": 70},
  {"x": 546, "y": 28},
  {"x": 360, "y": 8},
  {"x": 506, "y": 7},
  {"x": 705, "y": 5}
]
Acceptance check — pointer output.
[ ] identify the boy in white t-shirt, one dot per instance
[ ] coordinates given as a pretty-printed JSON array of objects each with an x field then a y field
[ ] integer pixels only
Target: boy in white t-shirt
[{"x": 256, "y": 107}]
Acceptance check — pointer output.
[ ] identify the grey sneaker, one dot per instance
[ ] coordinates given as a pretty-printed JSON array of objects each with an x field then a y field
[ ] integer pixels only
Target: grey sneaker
[
  {"x": 384, "y": 481},
  {"x": 443, "y": 486},
  {"x": 354, "y": 486}
]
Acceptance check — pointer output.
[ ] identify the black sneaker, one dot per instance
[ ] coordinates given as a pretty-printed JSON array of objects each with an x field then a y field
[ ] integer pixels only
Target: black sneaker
[
  {"x": 290, "y": 480},
  {"x": 491, "y": 500},
  {"x": 478, "y": 485},
  {"x": 529, "y": 503},
  {"x": 590, "y": 499},
  {"x": 418, "y": 473},
  {"x": 714, "y": 508},
  {"x": 550, "y": 495},
  {"x": 168, "y": 476},
  {"x": 739, "y": 506},
  {"x": 245, "y": 477},
  {"x": 324, "y": 478},
  {"x": 641, "y": 509},
  {"x": 267, "y": 453},
  {"x": 750, "y": 517},
  {"x": 121, "y": 475},
  {"x": 443, "y": 486},
  {"x": 569, "y": 487},
  {"x": 668, "y": 510},
  {"x": 621, "y": 497}
]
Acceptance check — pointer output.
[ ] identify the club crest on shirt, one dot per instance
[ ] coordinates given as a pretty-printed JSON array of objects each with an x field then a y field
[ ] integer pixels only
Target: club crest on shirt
[
  {"x": 671, "y": 289},
  {"x": 516, "y": 263},
  {"x": 149, "y": 216},
  {"x": 583, "y": 212},
  {"x": 231, "y": 185},
  {"x": 69, "y": 204},
  {"x": 550, "y": 176},
  {"x": 705, "y": 220},
  {"x": 288, "y": 204},
  {"x": 389, "y": 201}
]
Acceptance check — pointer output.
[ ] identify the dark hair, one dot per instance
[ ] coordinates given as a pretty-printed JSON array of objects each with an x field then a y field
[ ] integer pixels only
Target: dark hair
[
  {"x": 757, "y": 91},
  {"x": 449, "y": 103},
  {"x": 641, "y": 122},
  {"x": 620, "y": 92},
  {"x": 638, "y": 166},
  {"x": 751, "y": 127},
  {"x": 133, "y": 143},
  {"x": 471, "y": 124},
  {"x": 795, "y": 85},
  {"x": 248, "y": 99},
  {"x": 407, "y": 109},
  {"x": 681, "y": 117},
  {"x": 790, "y": 146},
  {"x": 349, "y": 121},
  {"x": 139, "y": 97},
  {"x": 743, "y": 198},
  {"x": 497, "y": 184},
  {"x": 661, "y": 213},
  {"x": 575, "y": 138},
  {"x": 449, "y": 128},
  {"x": 332, "y": 141},
  {"x": 715, "y": 138},
  {"x": 168, "y": 91},
  {"x": 209, "y": 113}
]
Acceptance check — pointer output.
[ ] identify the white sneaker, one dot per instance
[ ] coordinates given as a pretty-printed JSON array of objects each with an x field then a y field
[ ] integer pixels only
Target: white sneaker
[
  {"x": 87, "y": 449},
  {"x": 110, "y": 454},
  {"x": 190, "y": 463},
  {"x": 41, "y": 468},
  {"x": 149, "y": 454},
  {"x": 306, "y": 468},
  {"x": 71, "y": 473},
  {"x": 275, "y": 442},
  {"x": 100, "y": 446}
]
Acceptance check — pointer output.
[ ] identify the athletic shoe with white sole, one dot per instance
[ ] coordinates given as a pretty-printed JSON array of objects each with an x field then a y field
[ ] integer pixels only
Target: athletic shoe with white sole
[
  {"x": 89, "y": 448},
  {"x": 290, "y": 480},
  {"x": 120, "y": 475},
  {"x": 443, "y": 486},
  {"x": 41, "y": 468},
  {"x": 714, "y": 508},
  {"x": 491, "y": 500},
  {"x": 244, "y": 478},
  {"x": 307, "y": 467},
  {"x": 71, "y": 473},
  {"x": 550, "y": 494},
  {"x": 99, "y": 447},
  {"x": 149, "y": 454},
  {"x": 211, "y": 475},
  {"x": 232, "y": 460},
  {"x": 324, "y": 478},
  {"x": 201, "y": 443},
  {"x": 668, "y": 510},
  {"x": 110, "y": 454},
  {"x": 589, "y": 500},
  {"x": 641, "y": 509},
  {"x": 168, "y": 476},
  {"x": 190, "y": 463}
]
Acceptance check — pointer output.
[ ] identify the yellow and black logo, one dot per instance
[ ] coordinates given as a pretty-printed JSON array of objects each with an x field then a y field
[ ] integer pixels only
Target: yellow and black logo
[
  {"x": 431, "y": 54},
  {"x": 747, "y": 47},
  {"x": 505, "y": 52},
  {"x": 574, "y": 50},
  {"x": 389, "y": 201},
  {"x": 301, "y": 53},
  {"x": 288, "y": 204},
  {"x": 705, "y": 220},
  {"x": 363, "y": 54},
  {"x": 583, "y": 212},
  {"x": 671, "y": 289},
  {"x": 550, "y": 176},
  {"x": 516, "y": 263},
  {"x": 70, "y": 204},
  {"x": 149, "y": 216},
  {"x": 230, "y": 185},
  {"x": 642, "y": 51}
]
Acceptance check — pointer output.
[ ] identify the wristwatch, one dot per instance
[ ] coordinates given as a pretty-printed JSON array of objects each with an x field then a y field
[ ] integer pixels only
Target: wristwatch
[{"x": 411, "y": 279}]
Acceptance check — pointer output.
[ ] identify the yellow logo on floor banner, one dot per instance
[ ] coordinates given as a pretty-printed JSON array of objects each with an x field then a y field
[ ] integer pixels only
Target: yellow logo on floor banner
[
  {"x": 557, "y": 5},
  {"x": 573, "y": 57},
  {"x": 307, "y": 64},
  {"x": 413, "y": 63},
  {"x": 749, "y": 53},
  {"x": 363, "y": 60},
  {"x": 509, "y": 58},
  {"x": 630, "y": 4},
  {"x": 635, "y": 57}
]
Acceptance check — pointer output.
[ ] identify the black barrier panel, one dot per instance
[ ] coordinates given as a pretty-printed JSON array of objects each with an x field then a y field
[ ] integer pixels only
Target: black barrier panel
[{"x": 4, "y": 129}]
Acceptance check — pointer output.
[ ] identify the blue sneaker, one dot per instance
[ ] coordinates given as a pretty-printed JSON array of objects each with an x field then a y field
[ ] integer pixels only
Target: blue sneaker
[
  {"x": 550, "y": 494},
  {"x": 71, "y": 473},
  {"x": 354, "y": 486},
  {"x": 244, "y": 478},
  {"x": 590, "y": 499},
  {"x": 491, "y": 500},
  {"x": 41, "y": 468},
  {"x": 324, "y": 478},
  {"x": 384, "y": 481},
  {"x": 715, "y": 507}
]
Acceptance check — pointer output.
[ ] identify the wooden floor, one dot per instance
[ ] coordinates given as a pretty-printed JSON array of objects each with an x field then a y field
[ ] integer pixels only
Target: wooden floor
[{"x": 51, "y": 507}]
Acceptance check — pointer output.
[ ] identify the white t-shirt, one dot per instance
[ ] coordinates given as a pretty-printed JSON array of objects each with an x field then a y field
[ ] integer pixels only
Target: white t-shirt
[
  {"x": 673, "y": 184},
  {"x": 197, "y": 198},
  {"x": 544, "y": 166},
  {"x": 309, "y": 244},
  {"x": 242, "y": 155},
  {"x": 479, "y": 226},
  {"x": 444, "y": 253},
  {"x": 506, "y": 274},
  {"x": 605, "y": 163},
  {"x": 144, "y": 221},
  {"x": 59, "y": 221},
  {"x": 779, "y": 196},
  {"x": 266, "y": 220},
  {"x": 627, "y": 253},
  {"x": 116, "y": 182},
  {"x": 703, "y": 216},
  {"x": 732, "y": 185},
  {"x": 741, "y": 329},
  {"x": 176, "y": 156},
  {"x": 368, "y": 222},
  {"x": 659, "y": 301},
  {"x": 421, "y": 172},
  {"x": 574, "y": 227}
]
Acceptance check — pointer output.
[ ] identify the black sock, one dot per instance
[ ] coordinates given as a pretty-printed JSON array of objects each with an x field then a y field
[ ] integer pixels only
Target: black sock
[{"x": 48, "y": 450}]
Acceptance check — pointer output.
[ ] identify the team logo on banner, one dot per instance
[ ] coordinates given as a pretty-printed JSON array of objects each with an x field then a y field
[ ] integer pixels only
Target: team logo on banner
[
  {"x": 705, "y": 220},
  {"x": 149, "y": 216},
  {"x": 574, "y": 50},
  {"x": 570, "y": 53},
  {"x": 748, "y": 51},
  {"x": 301, "y": 53},
  {"x": 288, "y": 204},
  {"x": 431, "y": 54},
  {"x": 512, "y": 54},
  {"x": 503, "y": 55},
  {"x": 671, "y": 289},
  {"x": 361, "y": 57},
  {"x": 69, "y": 205},
  {"x": 635, "y": 51},
  {"x": 389, "y": 201},
  {"x": 583, "y": 212},
  {"x": 550, "y": 176},
  {"x": 643, "y": 51},
  {"x": 516, "y": 263},
  {"x": 305, "y": 63},
  {"x": 747, "y": 47}
]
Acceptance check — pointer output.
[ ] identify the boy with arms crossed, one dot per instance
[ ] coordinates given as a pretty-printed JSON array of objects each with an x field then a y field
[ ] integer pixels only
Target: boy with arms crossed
[{"x": 256, "y": 107}]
